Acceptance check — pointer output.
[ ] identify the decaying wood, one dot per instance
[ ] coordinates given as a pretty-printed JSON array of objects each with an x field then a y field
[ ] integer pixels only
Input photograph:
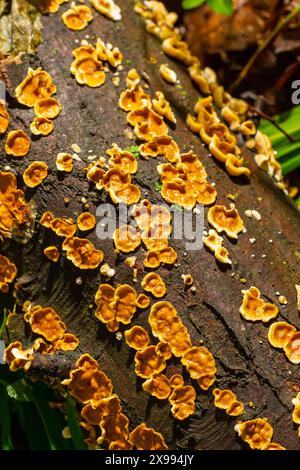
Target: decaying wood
[{"x": 91, "y": 118}]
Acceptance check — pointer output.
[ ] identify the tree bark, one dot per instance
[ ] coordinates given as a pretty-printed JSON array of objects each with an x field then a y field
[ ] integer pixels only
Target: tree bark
[{"x": 245, "y": 360}]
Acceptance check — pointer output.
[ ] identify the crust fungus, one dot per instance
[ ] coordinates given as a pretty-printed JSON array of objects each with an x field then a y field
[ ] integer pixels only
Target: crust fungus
[
  {"x": 144, "y": 438},
  {"x": 108, "y": 8},
  {"x": 17, "y": 357},
  {"x": 234, "y": 166},
  {"x": 280, "y": 333},
  {"x": 137, "y": 338},
  {"x": 142, "y": 301},
  {"x": 256, "y": 432},
  {"x": 133, "y": 78},
  {"x": 64, "y": 162},
  {"x": 199, "y": 363},
  {"x": 148, "y": 362},
  {"x": 163, "y": 107},
  {"x": 175, "y": 192},
  {"x": 77, "y": 17},
  {"x": 35, "y": 86},
  {"x": 124, "y": 303},
  {"x": 215, "y": 243},
  {"x": 226, "y": 400},
  {"x": 86, "y": 221},
  {"x": 158, "y": 386},
  {"x": 47, "y": 108},
  {"x": 41, "y": 126},
  {"x": 163, "y": 146},
  {"x": 8, "y": 272},
  {"x": 35, "y": 174},
  {"x": 17, "y": 143},
  {"x": 93, "y": 413},
  {"x": 254, "y": 308},
  {"x": 63, "y": 227},
  {"x": 128, "y": 194},
  {"x": 167, "y": 74},
  {"x": 88, "y": 71},
  {"x": 4, "y": 118},
  {"x": 225, "y": 220},
  {"x": 82, "y": 253},
  {"x": 167, "y": 327},
  {"x": 182, "y": 400},
  {"x": 153, "y": 283},
  {"x": 52, "y": 253},
  {"x": 126, "y": 238}
]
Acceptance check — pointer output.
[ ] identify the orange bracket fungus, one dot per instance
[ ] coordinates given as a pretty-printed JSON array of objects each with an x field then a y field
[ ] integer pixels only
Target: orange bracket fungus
[
  {"x": 86, "y": 221},
  {"x": 46, "y": 219},
  {"x": 77, "y": 17},
  {"x": 47, "y": 323},
  {"x": 35, "y": 174},
  {"x": 168, "y": 328},
  {"x": 123, "y": 159},
  {"x": 61, "y": 226},
  {"x": 4, "y": 117},
  {"x": 8, "y": 272},
  {"x": 88, "y": 70},
  {"x": 153, "y": 283},
  {"x": 14, "y": 211},
  {"x": 147, "y": 123},
  {"x": 82, "y": 253},
  {"x": 177, "y": 49},
  {"x": 142, "y": 301},
  {"x": 163, "y": 107},
  {"x": 158, "y": 386},
  {"x": 225, "y": 220},
  {"x": 144, "y": 438},
  {"x": 17, "y": 357},
  {"x": 17, "y": 143},
  {"x": 292, "y": 348},
  {"x": 133, "y": 98},
  {"x": 137, "y": 338},
  {"x": 64, "y": 162},
  {"x": 201, "y": 365},
  {"x": 126, "y": 238},
  {"x": 254, "y": 308},
  {"x": 182, "y": 400},
  {"x": 280, "y": 333},
  {"x": 256, "y": 432},
  {"x": 41, "y": 126},
  {"x": 35, "y": 86},
  {"x": 108, "y": 8},
  {"x": 176, "y": 381},
  {"x": 215, "y": 243},
  {"x": 163, "y": 146},
  {"x": 168, "y": 74},
  {"x": 47, "y": 108},
  {"x": 226, "y": 400},
  {"x": 52, "y": 253},
  {"x": 148, "y": 362}
]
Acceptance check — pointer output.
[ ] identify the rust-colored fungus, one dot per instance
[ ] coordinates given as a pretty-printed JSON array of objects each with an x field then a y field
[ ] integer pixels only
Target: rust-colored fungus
[
  {"x": 167, "y": 74},
  {"x": 148, "y": 362},
  {"x": 226, "y": 400},
  {"x": 158, "y": 386},
  {"x": 63, "y": 227},
  {"x": 35, "y": 86},
  {"x": 77, "y": 17},
  {"x": 199, "y": 363},
  {"x": 64, "y": 162},
  {"x": 126, "y": 238},
  {"x": 143, "y": 301},
  {"x": 153, "y": 283},
  {"x": 8, "y": 272},
  {"x": 108, "y": 8},
  {"x": 41, "y": 126},
  {"x": 176, "y": 381},
  {"x": 292, "y": 348},
  {"x": 17, "y": 143},
  {"x": 88, "y": 70},
  {"x": 17, "y": 357},
  {"x": 144, "y": 438},
  {"x": 137, "y": 338},
  {"x": 254, "y": 308},
  {"x": 47, "y": 108},
  {"x": 280, "y": 333},
  {"x": 52, "y": 253},
  {"x": 163, "y": 107},
  {"x": 82, "y": 253},
  {"x": 14, "y": 211},
  {"x": 35, "y": 174},
  {"x": 215, "y": 243},
  {"x": 256, "y": 432},
  {"x": 167, "y": 327},
  {"x": 163, "y": 146},
  {"x": 86, "y": 221},
  {"x": 182, "y": 400},
  {"x": 225, "y": 220},
  {"x": 4, "y": 117}
]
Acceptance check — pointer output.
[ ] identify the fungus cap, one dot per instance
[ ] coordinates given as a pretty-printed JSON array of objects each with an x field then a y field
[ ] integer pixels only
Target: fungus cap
[
  {"x": 163, "y": 146},
  {"x": 52, "y": 253},
  {"x": 46, "y": 219},
  {"x": 256, "y": 432},
  {"x": 68, "y": 342},
  {"x": 137, "y": 338},
  {"x": 167, "y": 74},
  {"x": 47, "y": 108},
  {"x": 47, "y": 323},
  {"x": 142, "y": 301},
  {"x": 148, "y": 362},
  {"x": 182, "y": 400},
  {"x": 176, "y": 381},
  {"x": 292, "y": 348},
  {"x": 41, "y": 126},
  {"x": 134, "y": 98},
  {"x": 199, "y": 362},
  {"x": 4, "y": 117},
  {"x": 280, "y": 333},
  {"x": 77, "y": 17},
  {"x": 82, "y": 253},
  {"x": 153, "y": 283},
  {"x": 86, "y": 221},
  {"x": 126, "y": 238},
  {"x": 158, "y": 386},
  {"x": 63, "y": 227},
  {"x": 35, "y": 86},
  {"x": 64, "y": 162},
  {"x": 225, "y": 220},
  {"x": 17, "y": 143},
  {"x": 35, "y": 174},
  {"x": 144, "y": 438},
  {"x": 163, "y": 349},
  {"x": 108, "y": 8},
  {"x": 163, "y": 107},
  {"x": 254, "y": 308},
  {"x": 88, "y": 71}
]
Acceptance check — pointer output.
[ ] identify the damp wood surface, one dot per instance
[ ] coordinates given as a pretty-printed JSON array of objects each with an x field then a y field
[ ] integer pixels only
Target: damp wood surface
[{"x": 92, "y": 119}]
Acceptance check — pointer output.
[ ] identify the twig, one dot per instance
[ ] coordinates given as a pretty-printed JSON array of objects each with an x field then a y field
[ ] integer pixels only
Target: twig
[{"x": 275, "y": 124}]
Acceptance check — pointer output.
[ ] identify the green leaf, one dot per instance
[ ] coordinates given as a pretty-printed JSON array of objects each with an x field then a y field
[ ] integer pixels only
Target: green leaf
[
  {"x": 76, "y": 434},
  {"x": 190, "y": 4},
  {"x": 221, "y": 6},
  {"x": 5, "y": 424},
  {"x": 34, "y": 432},
  {"x": 19, "y": 391}
]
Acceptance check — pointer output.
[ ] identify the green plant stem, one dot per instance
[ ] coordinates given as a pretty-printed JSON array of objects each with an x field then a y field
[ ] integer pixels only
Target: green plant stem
[
  {"x": 3, "y": 323},
  {"x": 280, "y": 25}
]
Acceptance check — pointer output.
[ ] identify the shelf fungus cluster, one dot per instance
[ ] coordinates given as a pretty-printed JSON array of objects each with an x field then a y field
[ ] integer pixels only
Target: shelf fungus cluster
[
  {"x": 254, "y": 308},
  {"x": 283, "y": 335},
  {"x": 14, "y": 211},
  {"x": 116, "y": 176},
  {"x": 88, "y": 64},
  {"x": 101, "y": 408},
  {"x": 227, "y": 400}
]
